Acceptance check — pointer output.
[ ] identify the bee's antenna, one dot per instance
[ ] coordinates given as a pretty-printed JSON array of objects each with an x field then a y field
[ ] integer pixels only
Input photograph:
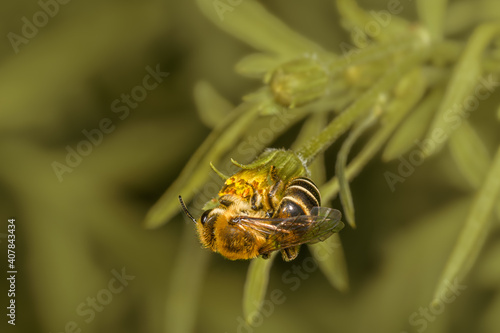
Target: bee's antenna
[{"x": 184, "y": 208}]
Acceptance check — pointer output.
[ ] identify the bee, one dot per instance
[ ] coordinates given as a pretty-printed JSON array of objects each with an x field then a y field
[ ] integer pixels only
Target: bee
[{"x": 257, "y": 213}]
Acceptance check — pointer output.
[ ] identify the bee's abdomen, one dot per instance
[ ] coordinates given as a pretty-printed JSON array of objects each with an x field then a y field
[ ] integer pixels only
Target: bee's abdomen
[{"x": 300, "y": 196}]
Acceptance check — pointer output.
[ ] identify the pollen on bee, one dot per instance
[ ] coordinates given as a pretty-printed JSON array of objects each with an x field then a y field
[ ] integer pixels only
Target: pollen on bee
[{"x": 227, "y": 191}]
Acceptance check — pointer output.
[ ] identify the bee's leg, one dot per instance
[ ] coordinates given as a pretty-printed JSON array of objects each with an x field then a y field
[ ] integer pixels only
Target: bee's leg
[
  {"x": 272, "y": 200},
  {"x": 256, "y": 201},
  {"x": 272, "y": 176},
  {"x": 290, "y": 253},
  {"x": 277, "y": 186}
]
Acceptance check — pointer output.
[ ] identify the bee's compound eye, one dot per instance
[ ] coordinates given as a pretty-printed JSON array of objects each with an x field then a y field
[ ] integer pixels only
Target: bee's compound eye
[{"x": 204, "y": 216}]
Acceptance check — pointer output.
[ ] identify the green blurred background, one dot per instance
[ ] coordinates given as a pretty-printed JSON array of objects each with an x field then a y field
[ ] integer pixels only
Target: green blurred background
[{"x": 73, "y": 236}]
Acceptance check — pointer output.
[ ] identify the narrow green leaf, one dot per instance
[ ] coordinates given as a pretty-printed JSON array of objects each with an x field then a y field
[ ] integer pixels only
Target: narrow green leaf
[
  {"x": 250, "y": 22},
  {"x": 379, "y": 51},
  {"x": 488, "y": 270},
  {"x": 360, "y": 107},
  {"x": 218, "y": 172},
  {"x": 498, "y": 213},
  {"x": 431, "y": 14},
  {"x": 464, "y": 15},
  {"x": 197, "y": 170},
  {"x": 491, "y": 65},
  {"x": 470, "y": 154},
  {"x": 311, "y": 127},
  {"x": 396, "y": 112},
  {"x": 256, "y": 65},
  {"x": 474, "y": 232},
  {"x": 355, "y": 16},
  {"x": 465, "y": 77},
  {"x": 186, "y": 283},
  {"x": 352, "y": 12},
  {"x": 331, "y": 260},
  {"x": 314, "y": 124},
  {"x": 212, "y": 107},
  {"x": 459, "y": 16},
  {"x": 413, "y": 127},
  {"x": 256, "y": 286},
  {"x": 340, "y": 168},
  {"x": 328, "y": 254},
  {"x": 489, "y": 319}
]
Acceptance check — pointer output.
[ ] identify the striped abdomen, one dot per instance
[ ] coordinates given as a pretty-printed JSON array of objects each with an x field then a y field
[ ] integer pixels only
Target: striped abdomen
[{"x": 300, "y": 196}]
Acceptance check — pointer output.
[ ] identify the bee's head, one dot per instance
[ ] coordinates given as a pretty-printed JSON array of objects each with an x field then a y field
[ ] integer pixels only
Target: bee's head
[{"x": 205, "y": 224}]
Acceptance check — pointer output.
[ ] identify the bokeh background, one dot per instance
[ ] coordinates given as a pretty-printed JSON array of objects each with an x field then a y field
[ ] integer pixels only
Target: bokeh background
[{"x": 75, "y": 232}]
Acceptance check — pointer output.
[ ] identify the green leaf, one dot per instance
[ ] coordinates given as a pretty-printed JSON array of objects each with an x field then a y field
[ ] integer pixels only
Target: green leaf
[
  {"x": 256, "y": 65},
  {"x": 488, "y": 270},
  {"x": 250, "y": 22},
  {"x": 470, "y": 154},
  {"x": 311, "y": 127},
  {"x": 197, "y": 170},
  {"x": 474, "y": 232},
  {"x": 360, "y": 108},
  {"x": 379, "y": 52},
  {"x": 331, "y": 260},
  {"x": 396, "y": 112},
  {"x": 498, "y": 213},
  {"x": 464, "y": 79},
  {"x": 431, "y": 14},
  {"x": 340, "y": 168},
  {"x": 356, "y": 17},
  {"x": 464, "y": 15},
  {"x": 328, "y": 254},
  {"x": 489, "y": 318},
  {"x": 185, "y": 285},
  {"x": 211, "y": 106},
  {"x": 413, "y": 127},
  {"x": 256, "y": 285}
]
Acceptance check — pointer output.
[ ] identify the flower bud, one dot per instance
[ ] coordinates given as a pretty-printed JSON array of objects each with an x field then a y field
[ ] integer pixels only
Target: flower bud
[{"x": 298, "y": 82}]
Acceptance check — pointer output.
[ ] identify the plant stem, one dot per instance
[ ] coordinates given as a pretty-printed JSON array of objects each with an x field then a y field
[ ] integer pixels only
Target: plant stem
[
  {"x": 359, "y": 108},
  {"x": 375, "y": 52},
  {"x": 397, "y": 111}
]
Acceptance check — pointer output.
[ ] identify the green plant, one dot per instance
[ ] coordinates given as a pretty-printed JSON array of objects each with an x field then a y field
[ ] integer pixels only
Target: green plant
[{"x": 391, "y": 88}]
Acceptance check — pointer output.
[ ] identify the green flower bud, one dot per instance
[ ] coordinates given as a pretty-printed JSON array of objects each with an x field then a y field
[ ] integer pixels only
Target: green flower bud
[{"x": 298, "y": 82}]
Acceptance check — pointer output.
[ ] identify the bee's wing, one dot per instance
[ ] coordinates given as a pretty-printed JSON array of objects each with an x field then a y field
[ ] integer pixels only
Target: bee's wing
[{"x": 296, "y": 230}]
